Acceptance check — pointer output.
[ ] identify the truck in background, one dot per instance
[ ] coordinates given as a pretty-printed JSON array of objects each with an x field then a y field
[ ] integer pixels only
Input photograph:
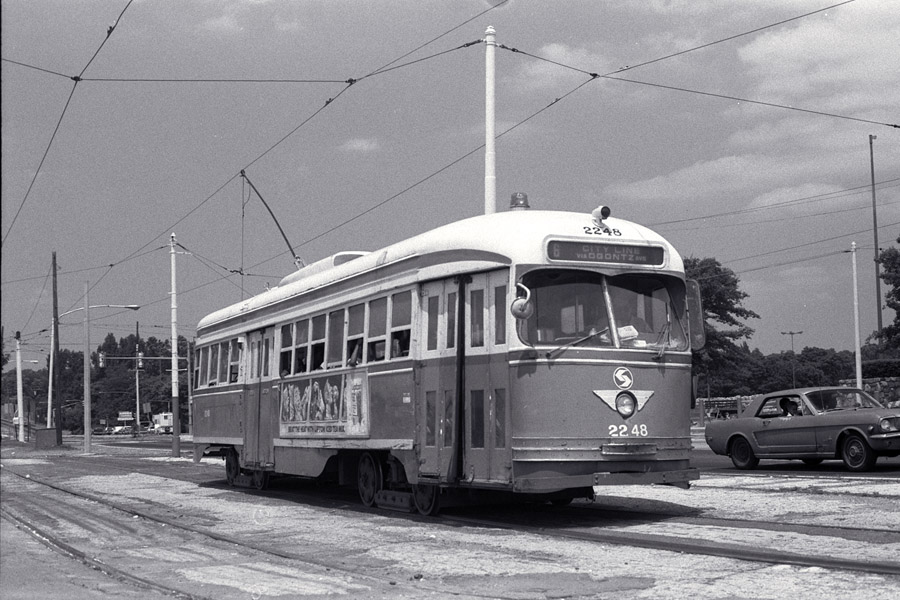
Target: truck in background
[{"x": 163, "y": 422}]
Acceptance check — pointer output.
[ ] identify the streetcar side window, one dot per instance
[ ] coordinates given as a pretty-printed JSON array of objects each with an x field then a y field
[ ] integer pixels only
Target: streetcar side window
[
  {"x": 223, "y": 362},
  {"x": 301, "y": 349},
  {"x": 451, "y": 319},
  {"x": 287, "y": 350},
  {"x": 213, "y": 363},
  {"x": 204, "y": 366},
  {"x": 499, "y": 418},
  {"x": 476, "y": 307},
  {"x": 500, "y": 315},
  {"x": 401, "y": 324},
  {"x": 196, "y": 368},
  {"x": 266, "y": 355},
  {"x": 234, "y": 367},
  {"x": 356, "y": 320},
  {"x": 335, "y": 338},
  {"x": 377, "y": 330},
  {"x": 432, "y": 316},
  {"x": 476, "y": 419},
  {"x": 318, "y": 343}
]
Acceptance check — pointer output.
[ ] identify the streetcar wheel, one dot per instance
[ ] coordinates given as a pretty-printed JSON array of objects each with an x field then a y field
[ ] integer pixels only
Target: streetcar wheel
[
  {"x": 856, "y": 454},
  {"x": 368, "y": 478},
  {"x": 812, "y": 462},
  {"x": 260, "y": 479},
  {"x": 427, "y": 499},
  {"x": 232, "y": 467},
  {"x": 742, "y": 454}
]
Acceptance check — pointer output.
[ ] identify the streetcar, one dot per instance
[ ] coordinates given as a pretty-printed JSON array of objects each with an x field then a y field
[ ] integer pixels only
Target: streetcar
[{"x": 530, "y": 352}]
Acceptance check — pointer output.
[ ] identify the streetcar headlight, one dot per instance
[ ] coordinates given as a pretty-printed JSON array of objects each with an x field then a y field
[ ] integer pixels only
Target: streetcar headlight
[
  {"x": 625, "y": 404},
  {"x": 889, "y": 425}
]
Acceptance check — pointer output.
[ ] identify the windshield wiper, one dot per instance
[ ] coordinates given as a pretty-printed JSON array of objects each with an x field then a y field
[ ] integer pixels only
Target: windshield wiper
[
  {"x": 592, "y": 334},
  {"x": 663, "y": 340}
]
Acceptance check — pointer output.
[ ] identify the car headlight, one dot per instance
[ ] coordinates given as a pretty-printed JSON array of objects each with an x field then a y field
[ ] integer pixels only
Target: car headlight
[{"x": 889, "y": 425}]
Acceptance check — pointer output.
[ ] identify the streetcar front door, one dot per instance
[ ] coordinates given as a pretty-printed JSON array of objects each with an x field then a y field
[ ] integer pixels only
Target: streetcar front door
[
  {"x": 487, "y": 456},
  {"x": 436, "y": 381},
  {"x": 261, "y": 407}
]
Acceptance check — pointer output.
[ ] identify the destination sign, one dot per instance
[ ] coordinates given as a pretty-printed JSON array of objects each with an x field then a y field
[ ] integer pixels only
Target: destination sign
[{"x": 618, "y": 254}]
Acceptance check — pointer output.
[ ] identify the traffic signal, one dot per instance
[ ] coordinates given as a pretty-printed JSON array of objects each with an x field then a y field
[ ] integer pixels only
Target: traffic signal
[
  {"x": 102, "y": 360},
  {"x": 140, "y": 362}
]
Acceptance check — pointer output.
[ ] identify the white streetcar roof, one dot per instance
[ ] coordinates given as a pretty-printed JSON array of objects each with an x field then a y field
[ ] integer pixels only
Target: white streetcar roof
[{"x": 477, "y": 243}]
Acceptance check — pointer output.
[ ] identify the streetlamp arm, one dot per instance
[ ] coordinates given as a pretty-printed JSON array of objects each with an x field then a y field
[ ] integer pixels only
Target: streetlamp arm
[{"x": 128, "y": 306}]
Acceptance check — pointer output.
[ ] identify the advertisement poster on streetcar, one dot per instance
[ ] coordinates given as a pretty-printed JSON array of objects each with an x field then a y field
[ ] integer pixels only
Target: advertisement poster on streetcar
[{"x": 327, "y": 406}]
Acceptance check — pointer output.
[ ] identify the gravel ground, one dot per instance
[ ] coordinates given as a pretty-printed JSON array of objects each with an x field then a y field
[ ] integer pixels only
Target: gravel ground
[{"x": 436, "y": 559}]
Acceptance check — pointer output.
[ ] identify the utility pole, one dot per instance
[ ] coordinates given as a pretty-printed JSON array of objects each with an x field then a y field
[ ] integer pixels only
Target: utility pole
[
  {"x": 20, "y": 406},
  {"x": 490, "y": 175},
  {"x": 176, "y": 410},
  {"x": 793, "y": 356},
  {"x": 856, "y": 347},
  {"x": 54, "y": 358},
  {"x": 137, "y": 377},
  {"x": 875, "y": 232}
]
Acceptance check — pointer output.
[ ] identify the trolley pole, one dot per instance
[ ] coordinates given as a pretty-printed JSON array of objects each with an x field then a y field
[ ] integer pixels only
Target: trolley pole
[
  {"x": 176, "y": 411},
  {"x": 490, "y": 174}
]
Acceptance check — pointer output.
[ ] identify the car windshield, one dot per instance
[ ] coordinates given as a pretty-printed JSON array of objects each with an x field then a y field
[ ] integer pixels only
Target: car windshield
[
  {"x": 841, "y": 399},
  {"x": 578, "y": 307}
]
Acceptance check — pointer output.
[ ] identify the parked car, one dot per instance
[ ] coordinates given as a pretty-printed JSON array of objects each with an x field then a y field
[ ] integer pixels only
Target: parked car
[
  {"x": 123, "y": 430},
  {"x": 810, "y": 424},
  {"x": 102, "y": 430}
]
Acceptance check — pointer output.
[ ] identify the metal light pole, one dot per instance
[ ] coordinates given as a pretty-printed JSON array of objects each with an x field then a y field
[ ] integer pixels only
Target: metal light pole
[
  {"x": 20, "y": 406},
  {"x": 793, "y": 356},
  {"x": 856, "y": 347},
  {"x": 875, "y": 232},
  {"x": 87, "y": 371},
  {"x": 87, "y": 357}
]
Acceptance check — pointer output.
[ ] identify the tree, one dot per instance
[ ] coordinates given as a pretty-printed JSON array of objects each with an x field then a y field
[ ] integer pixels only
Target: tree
[
  {"x": 721, "y": 361},
  {"x": 889, "y": 336}
]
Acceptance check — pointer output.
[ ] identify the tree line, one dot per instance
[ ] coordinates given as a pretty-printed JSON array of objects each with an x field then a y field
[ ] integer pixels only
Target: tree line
[{"x": 726, "y": 366}]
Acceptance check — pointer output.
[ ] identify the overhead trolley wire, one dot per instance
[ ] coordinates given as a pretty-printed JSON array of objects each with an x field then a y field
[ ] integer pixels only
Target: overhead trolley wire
[
  {"x": 327, "y": 103},
  {"x": 76, "y": 79},
  {"x": 613, "y": 74}
]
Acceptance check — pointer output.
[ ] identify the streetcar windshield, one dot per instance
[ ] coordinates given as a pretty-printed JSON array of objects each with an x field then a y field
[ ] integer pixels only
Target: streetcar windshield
[{"x": 587, "y": 309}]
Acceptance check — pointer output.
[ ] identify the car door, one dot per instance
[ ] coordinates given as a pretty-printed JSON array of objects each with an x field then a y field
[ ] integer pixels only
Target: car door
[{"x": 778, "y": 433}]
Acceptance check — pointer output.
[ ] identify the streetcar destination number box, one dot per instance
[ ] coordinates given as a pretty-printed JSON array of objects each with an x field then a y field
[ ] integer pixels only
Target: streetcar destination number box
[{"x": 605, "y": 253}]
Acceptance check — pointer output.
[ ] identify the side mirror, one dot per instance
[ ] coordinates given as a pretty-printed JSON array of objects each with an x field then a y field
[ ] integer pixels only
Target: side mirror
[
  {"x": 695, "y": 315},
  {"x": 522, "y": 308}
]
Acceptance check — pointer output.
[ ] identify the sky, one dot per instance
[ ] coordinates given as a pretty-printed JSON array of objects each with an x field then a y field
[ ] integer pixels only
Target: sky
[{"x": 737, "y": 130}]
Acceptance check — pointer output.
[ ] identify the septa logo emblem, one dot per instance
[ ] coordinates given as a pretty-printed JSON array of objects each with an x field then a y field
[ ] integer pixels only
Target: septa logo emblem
[{"x": 623, "y": 378}]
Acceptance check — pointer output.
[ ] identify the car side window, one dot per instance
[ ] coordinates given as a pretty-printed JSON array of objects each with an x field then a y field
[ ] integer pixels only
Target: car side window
[{"x": 770, "y": 409}]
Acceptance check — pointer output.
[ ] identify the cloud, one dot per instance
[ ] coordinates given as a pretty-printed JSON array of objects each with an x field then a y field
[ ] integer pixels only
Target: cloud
[
  {"x": 361, "y": 145},
  {"x": 791, "y": 66},
  {"x": 536, "y": 74}
]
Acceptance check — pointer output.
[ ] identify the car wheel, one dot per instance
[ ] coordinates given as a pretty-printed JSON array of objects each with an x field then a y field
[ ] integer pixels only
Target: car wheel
[
  {"x": 856, "y": 454},
  {"x": 742, "y": 454}
]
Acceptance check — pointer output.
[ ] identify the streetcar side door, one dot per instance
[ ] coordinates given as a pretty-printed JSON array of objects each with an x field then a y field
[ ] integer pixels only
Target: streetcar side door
[
  {"x": 487, "y": 455},
  {"x": 261, "y": 408},
  {"x": 436, "y": 380}
]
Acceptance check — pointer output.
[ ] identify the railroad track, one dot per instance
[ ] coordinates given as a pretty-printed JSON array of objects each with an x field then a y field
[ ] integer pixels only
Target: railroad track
[{"x": 584, "y": 522}]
